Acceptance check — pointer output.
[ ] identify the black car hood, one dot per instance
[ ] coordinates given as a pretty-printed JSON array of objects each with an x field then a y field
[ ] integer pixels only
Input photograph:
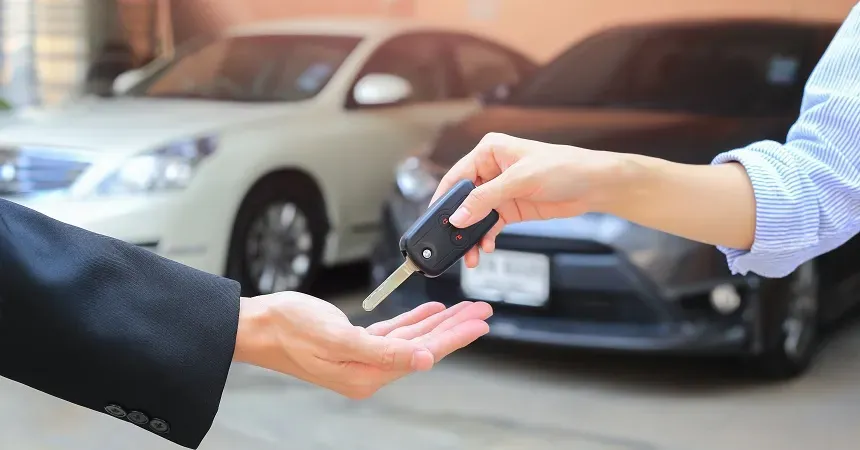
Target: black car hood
[
  {"x": 619, "y": 234},
  {"x": 597, "y": 227},
  {"x": 672, "y": 263}
]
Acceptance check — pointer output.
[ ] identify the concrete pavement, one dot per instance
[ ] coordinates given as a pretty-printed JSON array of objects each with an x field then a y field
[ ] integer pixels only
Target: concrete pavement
[{"x": 497, "y": 397}]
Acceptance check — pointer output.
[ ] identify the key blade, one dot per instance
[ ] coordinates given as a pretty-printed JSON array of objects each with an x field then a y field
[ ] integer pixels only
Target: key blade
[{"x": 389, "y": 285}]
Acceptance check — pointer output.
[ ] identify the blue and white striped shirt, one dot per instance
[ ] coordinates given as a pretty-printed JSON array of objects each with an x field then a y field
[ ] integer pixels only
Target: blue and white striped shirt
[{"x": 807, "y": 190}]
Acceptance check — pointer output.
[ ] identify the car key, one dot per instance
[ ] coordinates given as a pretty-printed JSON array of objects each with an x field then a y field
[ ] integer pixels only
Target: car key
[{"x": 432, "y": 245}]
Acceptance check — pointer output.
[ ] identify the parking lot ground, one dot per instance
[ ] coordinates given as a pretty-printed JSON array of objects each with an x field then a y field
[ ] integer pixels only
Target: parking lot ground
[{"x": 496, "y": 396}]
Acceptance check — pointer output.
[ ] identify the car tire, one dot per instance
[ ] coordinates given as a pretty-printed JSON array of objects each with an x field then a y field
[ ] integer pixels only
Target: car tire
[
  {"x": 278, "y": 237},
  {"x": 794, "y": 330}
]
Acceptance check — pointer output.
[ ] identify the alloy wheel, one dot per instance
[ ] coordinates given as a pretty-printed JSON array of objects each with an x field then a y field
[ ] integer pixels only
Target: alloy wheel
[{"x": 278, "y": 248}]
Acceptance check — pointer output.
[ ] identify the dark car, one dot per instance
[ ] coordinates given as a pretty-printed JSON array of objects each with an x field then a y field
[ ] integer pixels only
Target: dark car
[{"x": 682, "y": 91}]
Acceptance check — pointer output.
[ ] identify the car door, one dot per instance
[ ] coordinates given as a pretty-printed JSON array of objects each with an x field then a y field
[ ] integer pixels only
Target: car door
[{"x": 379, "y": 137}]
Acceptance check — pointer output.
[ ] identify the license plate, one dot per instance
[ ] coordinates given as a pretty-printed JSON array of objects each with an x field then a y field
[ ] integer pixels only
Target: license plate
[{"x": 510, "y": 277}]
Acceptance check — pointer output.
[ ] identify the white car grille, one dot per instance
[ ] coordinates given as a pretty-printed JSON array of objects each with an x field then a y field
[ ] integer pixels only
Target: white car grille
[{"x": 29, "y": 170}]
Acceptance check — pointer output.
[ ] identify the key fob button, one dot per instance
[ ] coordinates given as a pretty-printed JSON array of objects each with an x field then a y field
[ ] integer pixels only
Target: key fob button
[
  {"x": 428, "y": 252},
  {"x": 444, "y": 215},
  {"x": 446, "y": 242},
  {"x": 459, "y": 238}
]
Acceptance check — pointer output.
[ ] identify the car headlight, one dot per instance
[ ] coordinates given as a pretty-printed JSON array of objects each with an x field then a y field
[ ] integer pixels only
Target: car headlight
[
  {"x": 416, "y": 179},
  {"x": 167, "y": 168}
]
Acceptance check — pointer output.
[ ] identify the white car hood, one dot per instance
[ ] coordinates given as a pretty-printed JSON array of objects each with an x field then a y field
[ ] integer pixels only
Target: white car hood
[{"x": 130, "y": 124}]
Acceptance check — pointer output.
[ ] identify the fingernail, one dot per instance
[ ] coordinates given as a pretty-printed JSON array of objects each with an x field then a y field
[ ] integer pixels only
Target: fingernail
[{"x": 460, "y": 216}]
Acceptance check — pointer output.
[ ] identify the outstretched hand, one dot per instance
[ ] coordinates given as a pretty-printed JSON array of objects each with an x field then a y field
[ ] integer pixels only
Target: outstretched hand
[{"x": 313, "y": 340}]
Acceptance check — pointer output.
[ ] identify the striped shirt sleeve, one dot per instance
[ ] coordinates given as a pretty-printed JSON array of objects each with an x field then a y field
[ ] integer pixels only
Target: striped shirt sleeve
[{"x": 807, "y": 190}]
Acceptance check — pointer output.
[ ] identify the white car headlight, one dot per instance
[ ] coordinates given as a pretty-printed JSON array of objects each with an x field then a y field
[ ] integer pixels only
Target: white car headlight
[
  {"x": 416, "y": 179},
  {"x": 167, "y": 168}
]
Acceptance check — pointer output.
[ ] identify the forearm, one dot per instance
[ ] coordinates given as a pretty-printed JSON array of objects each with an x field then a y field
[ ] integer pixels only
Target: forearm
[
  {"x": 710, "y": 204},
  {"x": 102, "y": 323},
  {"x": 769, "y": 206}
]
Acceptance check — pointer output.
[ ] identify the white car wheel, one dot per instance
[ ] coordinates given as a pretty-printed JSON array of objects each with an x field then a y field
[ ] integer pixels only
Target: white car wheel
[{"x": 278, "y": 237}]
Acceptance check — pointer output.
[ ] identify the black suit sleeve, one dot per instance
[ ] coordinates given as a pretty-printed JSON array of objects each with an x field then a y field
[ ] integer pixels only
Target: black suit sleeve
[{"x": 113, "y": 327}]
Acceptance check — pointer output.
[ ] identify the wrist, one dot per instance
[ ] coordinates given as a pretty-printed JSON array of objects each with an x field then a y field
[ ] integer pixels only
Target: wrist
[{"x": 252, "y": 332}]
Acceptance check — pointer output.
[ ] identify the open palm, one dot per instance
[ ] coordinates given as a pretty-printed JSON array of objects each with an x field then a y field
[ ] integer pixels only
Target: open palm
[{"x": 313, "y": 340}]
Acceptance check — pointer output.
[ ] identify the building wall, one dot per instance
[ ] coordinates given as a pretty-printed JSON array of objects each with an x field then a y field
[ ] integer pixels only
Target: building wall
[
  {"x": 44, "y": 49},
  {"x": 46, "y": 46},
  {"x": 539, "y": 27}
]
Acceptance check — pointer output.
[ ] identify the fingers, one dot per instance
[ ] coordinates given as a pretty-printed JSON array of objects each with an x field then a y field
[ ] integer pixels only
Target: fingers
[
  {"x": 463, "y": 169},
  {"x": 434, "y": 339},
  {"x": 476, "y": 311},
  {"x": 488, "y": 242},
  {"x": 472, "y": 257},
  {"x": 456, "y": 338},
  {"x": 481, "y": 201},
  {"x": 408, "y": 318},
  {"x": 428, "y": 324},
  {"x": 458, "y": 331},
  {"x": 374, "y": 361},
  {"x": 389, "y": 354},
  {"x": 479, "y": 163}
]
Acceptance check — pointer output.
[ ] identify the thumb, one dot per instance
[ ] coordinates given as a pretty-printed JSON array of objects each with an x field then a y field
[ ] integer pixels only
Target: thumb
[{"x": 480, "y": 202}]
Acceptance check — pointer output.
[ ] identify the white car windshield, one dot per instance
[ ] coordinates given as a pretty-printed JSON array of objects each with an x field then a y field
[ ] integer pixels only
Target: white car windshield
[{"x": 259, "y": 68}]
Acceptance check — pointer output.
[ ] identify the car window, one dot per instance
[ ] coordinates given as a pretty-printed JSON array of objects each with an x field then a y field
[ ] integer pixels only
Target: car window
[
  {"x": 580, "y": 75},
  {"x": 733, "y": 71},
  {"x": 418, "y": 59},
  {"x": 483, "y": 67},
  {"x": 274, "y": 68},
  {"x": 715, "y": 73}
]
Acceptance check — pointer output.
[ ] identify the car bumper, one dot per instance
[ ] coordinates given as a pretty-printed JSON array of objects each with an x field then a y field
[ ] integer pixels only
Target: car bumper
[
  {"x": 598, "y": 300},
  {"x": 160, "y": 223}
]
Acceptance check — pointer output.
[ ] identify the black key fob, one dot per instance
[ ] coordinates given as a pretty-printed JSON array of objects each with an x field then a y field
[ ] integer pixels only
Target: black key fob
[{"x": 433, "y": 244}]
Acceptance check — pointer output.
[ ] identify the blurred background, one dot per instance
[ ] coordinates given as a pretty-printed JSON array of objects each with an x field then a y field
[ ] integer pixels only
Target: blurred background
[{"x": 288, "y": 144}]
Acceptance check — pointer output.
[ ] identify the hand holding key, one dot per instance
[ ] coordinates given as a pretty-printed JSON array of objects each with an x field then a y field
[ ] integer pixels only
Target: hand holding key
[
  {"x": 503, "y": 180},
  {"x": 528, "y": 180},
  {"x": 432, "y": 245}
]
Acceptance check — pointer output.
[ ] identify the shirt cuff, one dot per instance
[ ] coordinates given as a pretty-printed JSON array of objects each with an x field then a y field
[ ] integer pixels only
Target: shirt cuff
[{"x": 786, "y": 215}]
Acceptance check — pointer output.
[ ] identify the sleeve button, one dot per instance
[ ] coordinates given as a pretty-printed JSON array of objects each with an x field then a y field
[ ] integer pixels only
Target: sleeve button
[
  {"x": 137, "y": 417},
  {"x": 159, "y": 426},
  {"x": 115, "y": 410}
]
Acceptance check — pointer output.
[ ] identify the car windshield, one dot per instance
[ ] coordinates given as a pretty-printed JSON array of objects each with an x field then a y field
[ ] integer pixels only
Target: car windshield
[
  {"x": 260, "y": 68},
  {"x": 743, "y": 69}
]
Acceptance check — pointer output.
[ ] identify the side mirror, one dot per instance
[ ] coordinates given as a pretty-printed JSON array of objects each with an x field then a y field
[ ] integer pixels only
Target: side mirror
[
  {"x": 126, "y": 80},
  {"x": 378, "y": 89}
]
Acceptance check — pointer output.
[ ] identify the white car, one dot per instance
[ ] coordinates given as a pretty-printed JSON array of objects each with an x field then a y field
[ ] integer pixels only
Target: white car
[{"x": 262, "y": 154}]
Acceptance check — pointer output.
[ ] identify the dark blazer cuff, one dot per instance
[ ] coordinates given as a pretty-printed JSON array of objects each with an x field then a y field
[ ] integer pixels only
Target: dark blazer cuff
[{"x": 179, "y": 397}]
